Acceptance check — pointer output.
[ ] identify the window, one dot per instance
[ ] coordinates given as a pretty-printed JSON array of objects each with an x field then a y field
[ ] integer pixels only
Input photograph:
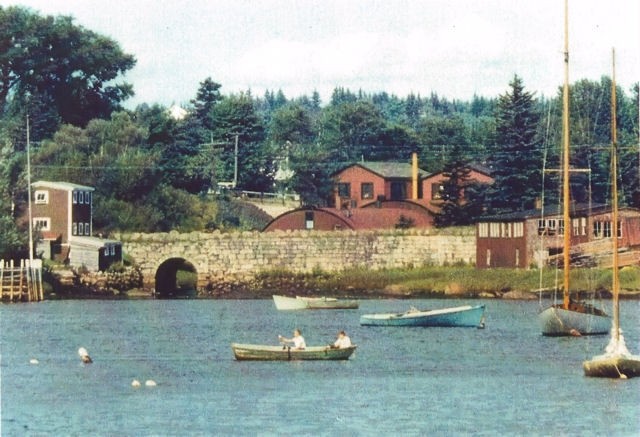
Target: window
[
  {"x": 81, "y": 197},
  {"x": 560, "y": 227},
  {"x": 42, "y": 223},
  {"x": 75, "y": 197},
  {"x": 575, "y": 224},
  {"x": 74, "y": 229},
  {"x": 41, "y": 197},
  {"x": 483, "y": 230},
  {"x": 344, "y": 189},
  {"x": 597, "y": 229},
  {"x": 518, "y": 230},
  {"x": 488, "y": 257},
  {"x": 366, "y": 190},
  {"x": 607, "y": 230},
  {"x": 542, "y": 226},
  {"x": 106, "y": 250},
  {"x": 583, "y": 226},
  {"x": 308, "y": 219},
  {"x": 436, "y": 191},
  {"x": 87, "y": 197},
  {"x": 87, "y": 229},
  {"x": 112, "y": 250},
  {"x": 619, "y": 229},
  {"x": 398, "y": 190},
  {"x": 80, "y": 228},
  {"x": 494, "y": 230}
]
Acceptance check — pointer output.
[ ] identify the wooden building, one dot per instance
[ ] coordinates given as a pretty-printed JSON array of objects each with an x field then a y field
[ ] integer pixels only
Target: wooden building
[
  {"x": 531, "y": 238},
  {"x": 62, "y": 215}
]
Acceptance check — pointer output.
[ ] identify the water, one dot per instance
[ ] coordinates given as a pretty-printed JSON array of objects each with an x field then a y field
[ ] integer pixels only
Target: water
[{"x": 504, "y": 380}]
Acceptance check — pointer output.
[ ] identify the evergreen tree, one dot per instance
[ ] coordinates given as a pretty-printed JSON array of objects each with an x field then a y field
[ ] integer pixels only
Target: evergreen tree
[
  {"x": 516, "y": 161},
  {"x": 206, "y": 99}
]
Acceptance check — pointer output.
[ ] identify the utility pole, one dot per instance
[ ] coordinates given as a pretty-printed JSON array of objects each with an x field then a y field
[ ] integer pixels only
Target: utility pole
[{"x": 235, "y": 164}]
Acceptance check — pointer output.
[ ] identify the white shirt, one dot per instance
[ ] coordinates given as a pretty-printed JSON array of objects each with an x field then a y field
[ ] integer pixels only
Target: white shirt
[
  {"x": 298, "y": 342},
  {"x": 343, "y": 342}
]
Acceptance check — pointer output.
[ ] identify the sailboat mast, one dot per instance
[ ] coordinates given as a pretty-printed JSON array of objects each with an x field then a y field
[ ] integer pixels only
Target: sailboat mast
[
  {"x": 614, "y": 191},
  {"x": 565, "y": 159}
]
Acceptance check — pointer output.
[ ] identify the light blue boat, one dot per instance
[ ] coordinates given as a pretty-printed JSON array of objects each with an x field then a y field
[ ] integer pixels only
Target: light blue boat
[{"x": 463, "y": 316}]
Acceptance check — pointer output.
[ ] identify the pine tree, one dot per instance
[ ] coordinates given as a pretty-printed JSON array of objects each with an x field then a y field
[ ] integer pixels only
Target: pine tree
[{"x": 516, "y": 160}]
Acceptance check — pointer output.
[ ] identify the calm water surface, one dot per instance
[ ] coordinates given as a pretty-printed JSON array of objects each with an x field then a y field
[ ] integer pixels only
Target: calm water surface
[{"x": 504, "y": 380}]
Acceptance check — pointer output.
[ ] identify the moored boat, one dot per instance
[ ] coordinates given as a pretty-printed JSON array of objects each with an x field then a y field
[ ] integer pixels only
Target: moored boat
[
  {"x": 258, "y": 352},
  {"x": 461, "y": 316},
  {"x": 569, "y": 318},
  {"x": 617, "y": 361},
  {"x": 313, "y": 303},
  {"x": 318, "y": 303}
]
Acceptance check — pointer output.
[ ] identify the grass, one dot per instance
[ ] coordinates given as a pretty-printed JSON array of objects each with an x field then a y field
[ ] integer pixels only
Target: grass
[{"x": 431, "y": 280}]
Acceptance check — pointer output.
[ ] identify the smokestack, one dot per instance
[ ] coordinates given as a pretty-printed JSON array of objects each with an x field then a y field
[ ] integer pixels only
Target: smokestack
[{"x": 414, "y": 176}]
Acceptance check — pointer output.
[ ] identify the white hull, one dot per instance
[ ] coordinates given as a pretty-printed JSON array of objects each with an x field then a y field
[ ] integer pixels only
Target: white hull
[
  {"x": 556, "y": 321},
  {"x": 289, "y": 303}
]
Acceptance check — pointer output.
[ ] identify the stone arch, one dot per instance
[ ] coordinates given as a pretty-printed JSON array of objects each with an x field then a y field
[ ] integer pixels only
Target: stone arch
[{"x": 176, "y": 278}]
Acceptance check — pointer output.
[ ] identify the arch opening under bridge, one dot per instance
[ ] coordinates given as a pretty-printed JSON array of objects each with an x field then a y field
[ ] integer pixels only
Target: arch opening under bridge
[{"x": 176, "y": 278}]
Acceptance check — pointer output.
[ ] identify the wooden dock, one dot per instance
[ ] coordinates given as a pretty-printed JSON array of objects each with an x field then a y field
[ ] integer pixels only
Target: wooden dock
[{"x": 21, "y": 283}]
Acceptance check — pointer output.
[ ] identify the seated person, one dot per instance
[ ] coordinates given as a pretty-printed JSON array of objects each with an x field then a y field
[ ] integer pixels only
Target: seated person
[
  {"x": 297, "y": 340},
  {"x": 343, "y": 341}
]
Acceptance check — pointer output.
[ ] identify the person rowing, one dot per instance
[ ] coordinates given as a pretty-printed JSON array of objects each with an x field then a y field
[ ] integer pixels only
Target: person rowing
[{"x": 297, "y": 340}]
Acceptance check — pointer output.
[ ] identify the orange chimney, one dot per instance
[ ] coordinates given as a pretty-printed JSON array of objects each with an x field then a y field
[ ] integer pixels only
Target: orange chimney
[{"x": 414, "y": 176}]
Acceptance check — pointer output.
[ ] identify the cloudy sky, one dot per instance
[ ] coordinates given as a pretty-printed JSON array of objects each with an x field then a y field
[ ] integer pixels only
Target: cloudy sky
[{"x": 456, "y": 48}]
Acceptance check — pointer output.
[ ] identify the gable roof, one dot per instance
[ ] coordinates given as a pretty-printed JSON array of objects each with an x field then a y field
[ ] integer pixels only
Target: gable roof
[
  {"x": 387, "y": 170},
  {"x": 65, "y": 186}
]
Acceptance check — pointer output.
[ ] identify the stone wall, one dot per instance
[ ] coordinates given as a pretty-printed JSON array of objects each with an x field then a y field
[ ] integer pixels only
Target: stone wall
[{"x": 241, "y": 255}]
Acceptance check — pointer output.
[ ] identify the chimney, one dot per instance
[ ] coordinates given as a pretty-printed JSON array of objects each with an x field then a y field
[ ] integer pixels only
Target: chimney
[{"x": 414, "y": 176}]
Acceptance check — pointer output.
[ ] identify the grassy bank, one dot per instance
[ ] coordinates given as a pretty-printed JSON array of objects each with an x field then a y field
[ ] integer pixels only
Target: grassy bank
[{"x": 444, "y": 281}]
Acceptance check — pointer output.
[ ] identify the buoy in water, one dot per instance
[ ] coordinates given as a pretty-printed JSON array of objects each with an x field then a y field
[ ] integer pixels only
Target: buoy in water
[
  {"x": 575, "y": 333},
  {"x": 34, "y": 361},
  {"x": 150, "y": 383},
  {"x": 84, "y": 356},
  {"x": 135, "y": 383}
]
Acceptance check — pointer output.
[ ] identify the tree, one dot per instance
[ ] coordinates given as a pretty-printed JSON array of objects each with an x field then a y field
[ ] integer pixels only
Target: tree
[
  {"x": 516, "y": 159},
  {"x": 54, "y": 59},
  {"x": 236, "y": 115},
  {"x": 458, "y": 206},
  {"x": 206, "y": 99}
]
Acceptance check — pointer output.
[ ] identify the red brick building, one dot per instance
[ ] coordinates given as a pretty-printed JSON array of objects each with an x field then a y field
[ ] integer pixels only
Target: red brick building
[
  {"x": 62, "y": 215},
  {"x": 374, "y": 195}
]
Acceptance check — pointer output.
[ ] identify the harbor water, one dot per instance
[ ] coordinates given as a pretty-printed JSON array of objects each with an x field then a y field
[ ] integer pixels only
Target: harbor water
[{"x": 505, "y": 379}]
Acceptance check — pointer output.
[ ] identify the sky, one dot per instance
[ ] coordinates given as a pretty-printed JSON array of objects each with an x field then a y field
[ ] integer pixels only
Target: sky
[{"x": 454, "y": 48}]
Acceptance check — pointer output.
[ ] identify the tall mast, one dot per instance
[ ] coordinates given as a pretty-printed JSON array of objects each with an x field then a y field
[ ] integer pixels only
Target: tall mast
[
  {"x": 29, "y": 194},
  {"x": 565, "y": 157},
  {"x": 614, "y": 191}
]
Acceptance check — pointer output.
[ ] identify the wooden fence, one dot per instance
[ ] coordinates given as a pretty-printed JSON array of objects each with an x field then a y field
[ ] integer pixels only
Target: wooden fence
[{"x": 21, "y": 283}]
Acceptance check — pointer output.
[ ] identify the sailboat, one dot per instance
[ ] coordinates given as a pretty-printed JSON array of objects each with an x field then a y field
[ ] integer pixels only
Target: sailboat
[
  {"x": 617, "y": 361},
  {"x": 570, "y": 318}
]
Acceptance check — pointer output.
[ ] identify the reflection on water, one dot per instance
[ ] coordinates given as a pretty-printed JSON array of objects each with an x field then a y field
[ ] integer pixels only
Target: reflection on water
[{"x": 505, "y": 379}]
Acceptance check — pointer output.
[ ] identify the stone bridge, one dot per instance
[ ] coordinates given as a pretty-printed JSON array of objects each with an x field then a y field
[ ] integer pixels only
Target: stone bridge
[{"x": 219, "y": 257}]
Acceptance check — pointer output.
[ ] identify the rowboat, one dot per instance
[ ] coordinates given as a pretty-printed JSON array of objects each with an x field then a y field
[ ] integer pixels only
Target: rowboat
[
  {"x": 465, "y": 315},
  {"x": 258, "y": 352},
  {"x": 313, "y": 303}
]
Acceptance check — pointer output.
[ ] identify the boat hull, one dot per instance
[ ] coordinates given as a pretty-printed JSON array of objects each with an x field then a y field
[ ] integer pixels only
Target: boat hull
[
  {"x": 557, "y": 321},
  {"x": 312, "y": 303},
  {"x": 328, "y": 303},
  {"x": 613, "y": 367},
  {"x": 288, "y": 303},
  {"x": 256, "y": 352},
  {"x": 463, "y": 316}
]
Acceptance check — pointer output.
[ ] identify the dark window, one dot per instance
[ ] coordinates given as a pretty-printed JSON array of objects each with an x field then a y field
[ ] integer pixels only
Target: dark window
[
  {"x": 398, "y": 190},
  {"x": 344, "y": 189},
  {"x": 436, "y": 191},
  {"x": 366, "y": 190},
  {"x": 308, "y": 219}
]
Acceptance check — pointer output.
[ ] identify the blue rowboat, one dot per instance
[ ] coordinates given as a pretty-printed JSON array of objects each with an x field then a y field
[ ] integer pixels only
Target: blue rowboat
[{"x": 466, "y": 315}]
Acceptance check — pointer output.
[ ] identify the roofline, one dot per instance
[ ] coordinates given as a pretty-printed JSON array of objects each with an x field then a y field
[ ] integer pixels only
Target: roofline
[{"x": 66, "y": 186}]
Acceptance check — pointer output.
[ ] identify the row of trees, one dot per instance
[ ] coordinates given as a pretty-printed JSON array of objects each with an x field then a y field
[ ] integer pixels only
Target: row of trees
[{"x": 151, "y": 170}]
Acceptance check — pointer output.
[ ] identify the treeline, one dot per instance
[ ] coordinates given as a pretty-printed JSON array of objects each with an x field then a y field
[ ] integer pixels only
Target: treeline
[{"x": 152, "y": 171}]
